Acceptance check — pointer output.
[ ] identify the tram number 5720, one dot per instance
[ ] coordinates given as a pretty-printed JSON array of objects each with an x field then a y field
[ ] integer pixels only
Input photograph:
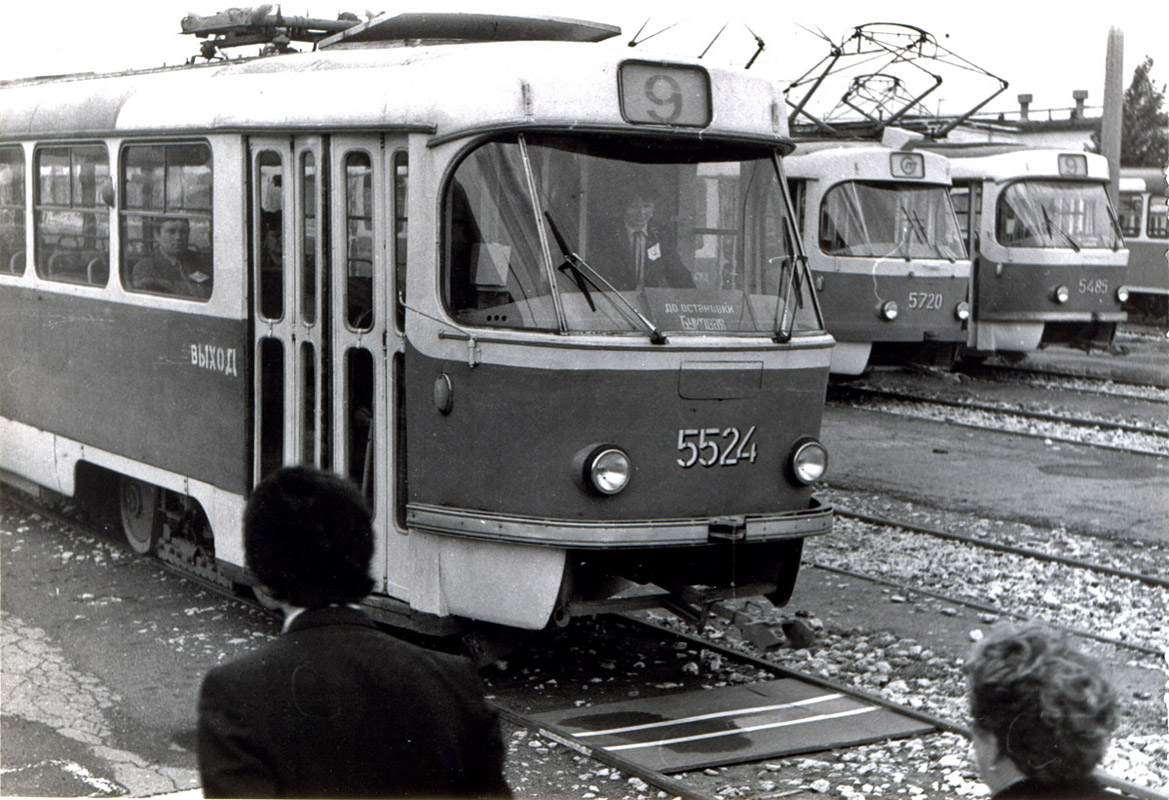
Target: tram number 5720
[
  {"x": 707, "y": 447},
  {"x": 927, "y": 301}
]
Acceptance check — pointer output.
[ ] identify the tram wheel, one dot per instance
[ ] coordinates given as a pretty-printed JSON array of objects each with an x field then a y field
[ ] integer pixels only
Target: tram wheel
[{"x": 139, "y": 505}]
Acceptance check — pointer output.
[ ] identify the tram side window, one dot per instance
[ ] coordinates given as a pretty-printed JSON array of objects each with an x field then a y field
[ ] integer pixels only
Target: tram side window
[
  {"x": 72, "y": 224},
  {"x": 12, "y": 255},
  {"x": 166, "y": 219},
  {"x": 401, "y": 183},
  {"x": 1158, "y": 226},
  {"x": 359, "y": 240},
  {"x": 309, "y": 201},
  {"x": 1130, "y": 211},
  {"x": 360, "y": 420},
  {"x": 269, "y": 239}
]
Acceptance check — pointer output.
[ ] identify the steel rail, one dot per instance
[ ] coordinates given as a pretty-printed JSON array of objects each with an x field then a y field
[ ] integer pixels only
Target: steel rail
[
  {"x": 1085, "y": 422},
  {"x": 1150, "y": 580},
  {"x": 911, "y": 590},
  {"x": 1008, "y": 369}
]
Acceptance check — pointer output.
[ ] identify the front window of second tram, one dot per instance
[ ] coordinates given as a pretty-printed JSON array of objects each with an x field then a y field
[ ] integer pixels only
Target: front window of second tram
[
  {"x": 637, "y": 237},
  {"x": 874, "y": 219}
]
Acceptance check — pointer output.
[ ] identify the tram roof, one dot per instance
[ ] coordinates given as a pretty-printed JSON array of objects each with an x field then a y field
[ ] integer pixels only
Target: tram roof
[
  {"x": 1143, "y": 179},
  {"x": 1002, "y": 163},
  {"x": 448, "y": 89},
  {"x": 857, "y": 160}
]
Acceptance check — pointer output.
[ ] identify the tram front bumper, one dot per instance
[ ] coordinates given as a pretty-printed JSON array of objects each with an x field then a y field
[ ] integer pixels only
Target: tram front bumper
[{"x": 815, "y": 520}]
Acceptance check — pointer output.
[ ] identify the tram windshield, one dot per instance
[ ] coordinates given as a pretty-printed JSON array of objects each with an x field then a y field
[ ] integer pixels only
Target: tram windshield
[
  {"x": 1056, "y": 214},
  {"x": 880, "y": 219},
  {"x": 615, "y": 234}
]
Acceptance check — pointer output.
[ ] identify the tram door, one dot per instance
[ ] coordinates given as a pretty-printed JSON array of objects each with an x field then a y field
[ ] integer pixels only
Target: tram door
[
  {"x": 285, "y": 252},
  {"x": 327, "y": 334},
  {"x": 367, "y": 252}
]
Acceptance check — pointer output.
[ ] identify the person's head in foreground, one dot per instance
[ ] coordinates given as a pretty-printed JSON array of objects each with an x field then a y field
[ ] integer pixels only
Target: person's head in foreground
[
  {"x": 1042, "y": 713},
  {"x": 308, "y": 537}
]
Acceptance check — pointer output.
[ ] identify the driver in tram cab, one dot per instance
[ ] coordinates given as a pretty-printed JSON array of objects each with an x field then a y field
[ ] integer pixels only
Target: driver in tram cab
[
  {"x": 633, "y": 255},
  {"x": 170, "y": 268}
]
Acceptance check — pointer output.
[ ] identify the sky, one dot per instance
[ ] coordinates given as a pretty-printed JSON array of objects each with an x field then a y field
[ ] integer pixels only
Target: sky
[{"x": 1045, "y": 50}]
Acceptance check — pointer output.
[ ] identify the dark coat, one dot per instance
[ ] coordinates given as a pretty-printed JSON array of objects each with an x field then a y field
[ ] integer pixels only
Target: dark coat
[
  {"x": 335, "y": 707},
  {"x": 1029, "y": 789},
  {"x": 157, "y": 273},
  {"x": 614, "y": 258}
]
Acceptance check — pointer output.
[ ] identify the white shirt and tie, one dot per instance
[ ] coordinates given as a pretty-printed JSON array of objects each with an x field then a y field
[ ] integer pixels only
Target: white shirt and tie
[{"x": 637, "y": 240}]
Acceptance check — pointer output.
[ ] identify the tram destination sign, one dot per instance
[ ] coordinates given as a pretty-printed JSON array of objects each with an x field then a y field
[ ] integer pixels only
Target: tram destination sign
[{"x": 664, "y": 94}]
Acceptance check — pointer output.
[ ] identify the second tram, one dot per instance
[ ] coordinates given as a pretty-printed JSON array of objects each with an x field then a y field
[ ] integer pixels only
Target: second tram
[
  {"x": 544, "y": 302},
  {"x": 884, "y": 248}
]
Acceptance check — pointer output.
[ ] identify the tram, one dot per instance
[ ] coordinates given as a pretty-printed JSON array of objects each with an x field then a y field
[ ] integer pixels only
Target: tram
[
  {"x": 885, "y": 251},
  {"x": 399, "y": 257},
  {"x": 1144, "y": 221},
  {"x": 1048, "y": 257}
]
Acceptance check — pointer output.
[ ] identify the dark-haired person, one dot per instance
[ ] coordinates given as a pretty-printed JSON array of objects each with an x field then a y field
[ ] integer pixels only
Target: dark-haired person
[
  {"x": 170, "y": 268},
  {"x": 335, "y": 707},
  {"x": 1042, "y": 715},
  {"x": 634, "y": 254}
]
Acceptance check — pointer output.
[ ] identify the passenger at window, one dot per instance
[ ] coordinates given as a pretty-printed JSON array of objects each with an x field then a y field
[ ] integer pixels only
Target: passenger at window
[
  {"x": 170, "y": 269},
  {"x": 634, "y": 255},
  {"x": 1042, "y": 715},
  {"x": 335, "y": 706}
]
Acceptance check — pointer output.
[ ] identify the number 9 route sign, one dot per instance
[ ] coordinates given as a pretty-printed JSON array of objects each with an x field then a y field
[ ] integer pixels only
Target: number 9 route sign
[{"x": 664, "y": 94}]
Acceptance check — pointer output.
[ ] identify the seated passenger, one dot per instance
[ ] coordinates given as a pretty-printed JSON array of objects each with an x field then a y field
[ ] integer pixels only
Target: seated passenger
[
  {"x": 633, "y": 255},
  {"x": 169, "y": 269}
]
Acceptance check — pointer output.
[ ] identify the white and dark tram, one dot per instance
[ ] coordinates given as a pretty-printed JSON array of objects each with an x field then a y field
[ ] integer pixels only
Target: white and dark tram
[{"x": 393, "y": 257}]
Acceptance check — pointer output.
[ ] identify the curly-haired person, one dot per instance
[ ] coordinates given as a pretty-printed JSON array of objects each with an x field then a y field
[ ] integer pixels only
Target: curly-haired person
[
  {"x": 335, "y": 706},
  {"x": 1042, "y": 715}
]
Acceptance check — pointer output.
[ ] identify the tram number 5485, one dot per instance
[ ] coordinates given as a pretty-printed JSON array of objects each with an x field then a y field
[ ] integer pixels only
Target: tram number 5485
[{"x": 708, "y": 447}]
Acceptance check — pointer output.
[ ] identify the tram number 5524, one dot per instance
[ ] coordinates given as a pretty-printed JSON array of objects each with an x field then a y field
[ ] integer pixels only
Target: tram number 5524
[{"x": 710, "y": 446}]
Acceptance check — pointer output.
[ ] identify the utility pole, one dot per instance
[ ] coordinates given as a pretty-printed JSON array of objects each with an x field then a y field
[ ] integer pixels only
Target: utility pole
[{"x": 1110, "y": 124}]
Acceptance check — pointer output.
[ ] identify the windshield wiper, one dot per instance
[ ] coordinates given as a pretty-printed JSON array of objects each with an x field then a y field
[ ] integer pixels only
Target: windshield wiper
[
  {"x": 919, "y": 228},
  {"x": 583, "y": 274},
  {"x": 1047, "y": 222}
]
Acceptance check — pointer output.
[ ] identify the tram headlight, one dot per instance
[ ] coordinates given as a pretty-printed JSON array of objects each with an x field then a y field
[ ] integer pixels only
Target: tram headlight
[
  {"x": 608, "y": 469},
  {"x": 809, "y": 461},
  {"x": 1122, "y": 294},
  {"x": 889, "y": 310},
  {"x": 962, "y": 311},
  {"x": 1061, "y": 294}
]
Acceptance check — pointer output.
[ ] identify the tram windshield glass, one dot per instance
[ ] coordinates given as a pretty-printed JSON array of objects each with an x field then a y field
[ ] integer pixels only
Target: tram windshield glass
[
  {"x": 618, "y": 234},
  {"x": 879, "y": 219},
  {"x": 1056, "y": 214}
]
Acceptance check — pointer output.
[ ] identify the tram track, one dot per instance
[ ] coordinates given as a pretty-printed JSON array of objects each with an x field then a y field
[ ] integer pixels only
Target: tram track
[
  {"x": 1065, "y": 382},
  {"x": 1078, "y": 595},
  {"x": 699, "y": 662},
  {"x": 1139, "y": 439},
  {"x": 771, "y": 777}
]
